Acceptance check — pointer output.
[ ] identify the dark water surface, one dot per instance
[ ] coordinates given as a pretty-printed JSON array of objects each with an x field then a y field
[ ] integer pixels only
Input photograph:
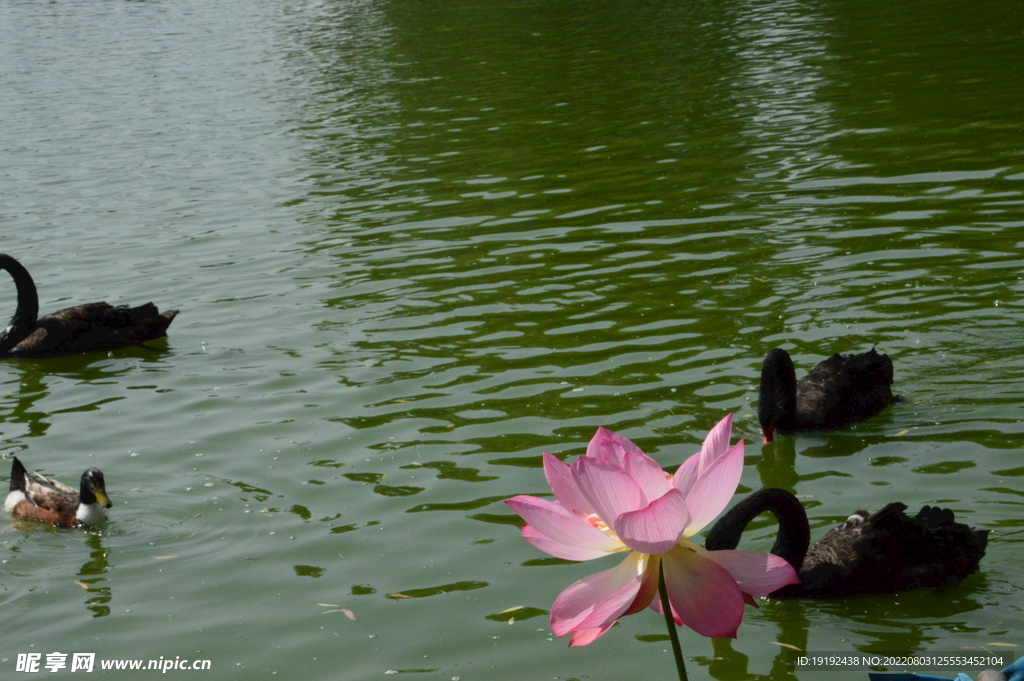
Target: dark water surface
[{"x": 416, "y": 244}]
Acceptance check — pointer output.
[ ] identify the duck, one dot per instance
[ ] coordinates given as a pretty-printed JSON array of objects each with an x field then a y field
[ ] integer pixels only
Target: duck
[
  {"x": 841, "y": 390},
  {"x": 870, "y": 553},
  {"x": 74, "y": 330},
  {"x": 34, "y": 497}
]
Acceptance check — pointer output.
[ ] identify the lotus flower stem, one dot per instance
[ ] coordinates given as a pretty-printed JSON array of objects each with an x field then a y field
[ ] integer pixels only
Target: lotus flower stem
[{"x": 672, "y": 633}]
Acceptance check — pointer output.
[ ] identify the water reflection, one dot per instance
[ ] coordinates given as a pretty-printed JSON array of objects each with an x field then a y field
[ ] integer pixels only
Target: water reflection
[
  {"x": 886, "y": 628},
  {"x": 543, "y": 227},
  {"x": 30, "y": 388},
  {"x": 448, "y": 470},
  {"x": 777, "y": 466},
  {"x": 92, "y": 574},
  {"x": 438, "y": 590},
  {"x": 308, "y": 571},
  {"x": 490, "y": 228},
  {"x": 34, "y": 380},
  {"x": 729, "y": 664},
  {"x": 883, "y": 625},
  {"x": 781, "y": 49}
]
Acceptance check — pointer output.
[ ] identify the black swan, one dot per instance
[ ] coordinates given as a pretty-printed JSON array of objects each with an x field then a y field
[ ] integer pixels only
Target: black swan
[
  {"x": 85, "y": 328},
  {"x": 34, "y": 497},
  {"x": 841, "y": 390},
  {"x": 870, "y": 553}
]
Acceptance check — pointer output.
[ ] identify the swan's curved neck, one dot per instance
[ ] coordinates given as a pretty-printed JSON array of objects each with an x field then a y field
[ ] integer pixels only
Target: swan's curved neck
[
  {"x": 776, "y": 402},
  {"x": 25, "y": 315},
  {"x": 794, "y": 532}
]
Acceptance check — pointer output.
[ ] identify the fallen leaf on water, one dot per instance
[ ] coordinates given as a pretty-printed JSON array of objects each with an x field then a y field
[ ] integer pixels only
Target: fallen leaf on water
[
  {"x": 512, "y": 620},
  {"x": 83, "y": 585},
  {"x": 786, "y": 645},
  {"x": 403, "y": 401},
  {"x": 163, "y": 557},
  {"x": 1003, "y": 645},
  {"x": 348, "y": 613},
  {"x": 991, "y": 361},
  {"x": 450, "y": 425},
  {"x": 328, "y": 605},
  {"x": 518, "y": 607},
  {"x": 398, "y": 596},
  {"x": 902, "y": 432}
]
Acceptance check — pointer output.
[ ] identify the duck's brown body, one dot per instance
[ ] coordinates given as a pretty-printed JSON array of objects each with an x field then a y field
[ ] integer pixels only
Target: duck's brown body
[{"x": 61, "y": 518}]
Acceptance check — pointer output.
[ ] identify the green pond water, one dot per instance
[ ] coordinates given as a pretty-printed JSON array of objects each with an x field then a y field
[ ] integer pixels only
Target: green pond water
[{"x": 416, "y": 244}]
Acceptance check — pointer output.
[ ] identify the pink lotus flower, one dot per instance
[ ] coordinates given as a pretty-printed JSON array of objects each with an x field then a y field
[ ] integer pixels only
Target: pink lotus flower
[{"x": 616, "y": 499}]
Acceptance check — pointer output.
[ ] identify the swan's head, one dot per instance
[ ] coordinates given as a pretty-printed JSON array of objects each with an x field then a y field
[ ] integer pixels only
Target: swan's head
[{"x": 776, "y": 402}]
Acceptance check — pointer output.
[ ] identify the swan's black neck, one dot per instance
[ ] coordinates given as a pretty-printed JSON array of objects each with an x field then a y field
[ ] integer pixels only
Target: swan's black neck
[
  {"x": 25, "y": 315},
  {"x": 776, "y": 402},
  {"x": 794, "y": 531}
]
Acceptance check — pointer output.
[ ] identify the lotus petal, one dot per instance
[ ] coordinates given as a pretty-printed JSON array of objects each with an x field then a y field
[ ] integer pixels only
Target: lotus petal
[
  {"x": 564, "y": 486},
  {"x": 714, "y": 488},
  {"x": 703, "y": 593},
  {"x": 550, "y": 519},
  {"x": 610, "y": 447},
  {"x": 715, "y": 445},
  {"x": 597, "y": 601},
  {"x": 656, "y": 529},
  {"x": 646, "y": 472},
  {"x": 757, "y": 574},
  {"x": 608, "y": 488},
  {"x": 560, "y": 550}
]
